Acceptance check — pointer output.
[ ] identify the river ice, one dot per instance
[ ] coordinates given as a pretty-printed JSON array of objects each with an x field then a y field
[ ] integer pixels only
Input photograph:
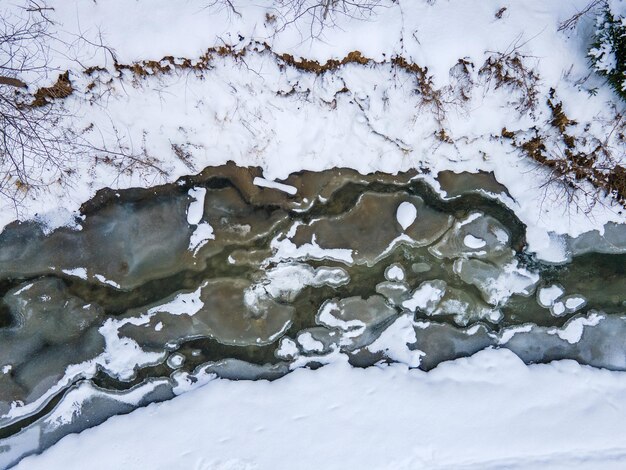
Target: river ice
[{"x": 460, "y": 314}]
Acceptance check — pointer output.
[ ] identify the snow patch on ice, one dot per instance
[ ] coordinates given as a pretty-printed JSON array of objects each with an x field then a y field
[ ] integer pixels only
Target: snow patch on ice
[
  {"x": 395, "y": 339},
  {"x": 104, "y": 280},
  {"x": 425, "y": 297},
  {"x": 308, "y": 343},
  {"x": 508, "y": 333},
  {"x": 275, "y": 185},
  {"x": 196, "y": 207},
  {"x": 394, "y": 273},
  {"x": 572, "y": 332},
  {"x": 76, "y": 272},
  {"x": 406, "y": 214},
  {"x": 473, "y": 242},
  {"x": 200, "y": 237},
  {"x": 548, "y": 295}
]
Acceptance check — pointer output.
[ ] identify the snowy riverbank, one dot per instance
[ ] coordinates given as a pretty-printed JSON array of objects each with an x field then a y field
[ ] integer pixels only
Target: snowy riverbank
[{"x": 489, "y": 411}]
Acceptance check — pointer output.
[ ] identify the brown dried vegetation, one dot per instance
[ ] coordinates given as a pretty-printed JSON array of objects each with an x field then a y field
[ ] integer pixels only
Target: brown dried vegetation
[
  {"x": 62, "y": 88},
  {"x": 574, "y": 164},
  {"x": 509, "y": 70},
  {"x": 501, "y": 70}
]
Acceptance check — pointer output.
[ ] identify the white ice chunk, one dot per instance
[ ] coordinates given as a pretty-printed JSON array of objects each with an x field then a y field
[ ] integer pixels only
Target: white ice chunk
[
  {"x": 473, "y": 242},
  {"x": 274, "y": 185},
  {"x": 76, "y": 272},
  {"x": 287, "y": 349},
  {"x": 558, "y": 309},
  {"x": 200, "y": 236},
  {"x": 309, "y": 343},
  {"x": 406, "y": 214},
  {"x": 573, "y": 329},
  {"x": 395, "y": 339},
  {"x": 395, "y": 273},
  {"x": 196, "y": 207},
  {"x": 548, "y": 295},
  {"x": 426, "y": 296},
  {"x": 508, "y": 333},
  {"x": 104, "y": 280},
  {"x": 574, "y": 303}
]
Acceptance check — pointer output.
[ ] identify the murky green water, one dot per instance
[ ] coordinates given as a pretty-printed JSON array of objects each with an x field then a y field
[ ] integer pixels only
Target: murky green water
[{"x": 216, "y": 275}]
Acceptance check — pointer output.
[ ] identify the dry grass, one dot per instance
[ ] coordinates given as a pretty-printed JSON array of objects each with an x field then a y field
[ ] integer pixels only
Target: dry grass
[
  {"x": 62, "y": 88},
  {"x": 571, "y": 160}
]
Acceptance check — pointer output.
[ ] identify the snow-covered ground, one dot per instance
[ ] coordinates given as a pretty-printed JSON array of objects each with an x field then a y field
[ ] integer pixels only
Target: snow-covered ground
[
  {"x": 489, "y": 411},
  {"x": 257, "y": 110},
  {"x": 253, "y": 106}
]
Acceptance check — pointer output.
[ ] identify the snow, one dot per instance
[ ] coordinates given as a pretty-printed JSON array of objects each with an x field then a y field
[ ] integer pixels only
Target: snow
[
  {"x": 288, "y": 348},
  {"x": 574, "y": 303},
  {"x": 501, "y": 235},
  {"x": 425, "y": 296},
  {"x": 183, "y": 304},
  {"x": 203, "y": 231},
  {"x": 25, "y": 288},
  {"x": 122, "y": 356},
  {"x": 55, "y": 218},
  {"x": 326, "y": 317},
  {"x": 77, "y": 272},
  {"x": 573, "y": 329},
  {"x": 196, "y": 207},
  {"x": 104, "y": 280},
  {"x": 395, "y": 273},
  {"x": 559, "y": 415},
  {"x": 175, "y": 360},
  {"x": 71, "y": 406},
  {"x": 473, "y": 242},
  {"x": 285, "y": 249},
  {"x": 547, "y": 295},
  {"x": 275, "y": 185},
  {"x": 307, "y": 341},
  {"x": 394, "y": 340},
  {"x": 200, "y": 236},
  {"x": 406, "y": 214},
  {"x": 558, "y": 309},
  {"x": 507, "y": 334},
  {"x": 513, "y": 279}
]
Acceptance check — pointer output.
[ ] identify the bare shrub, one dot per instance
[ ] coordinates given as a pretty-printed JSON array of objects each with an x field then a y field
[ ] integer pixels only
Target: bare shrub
[
  {"x": 509, "y": 69},
  {"x": 37, "y": 146},
  {"x": 571, "y": 22},
  {"x": 32, "y": 143},
  {"x": 578, "y": 163},
  {"x": 319, "y": 14}
]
